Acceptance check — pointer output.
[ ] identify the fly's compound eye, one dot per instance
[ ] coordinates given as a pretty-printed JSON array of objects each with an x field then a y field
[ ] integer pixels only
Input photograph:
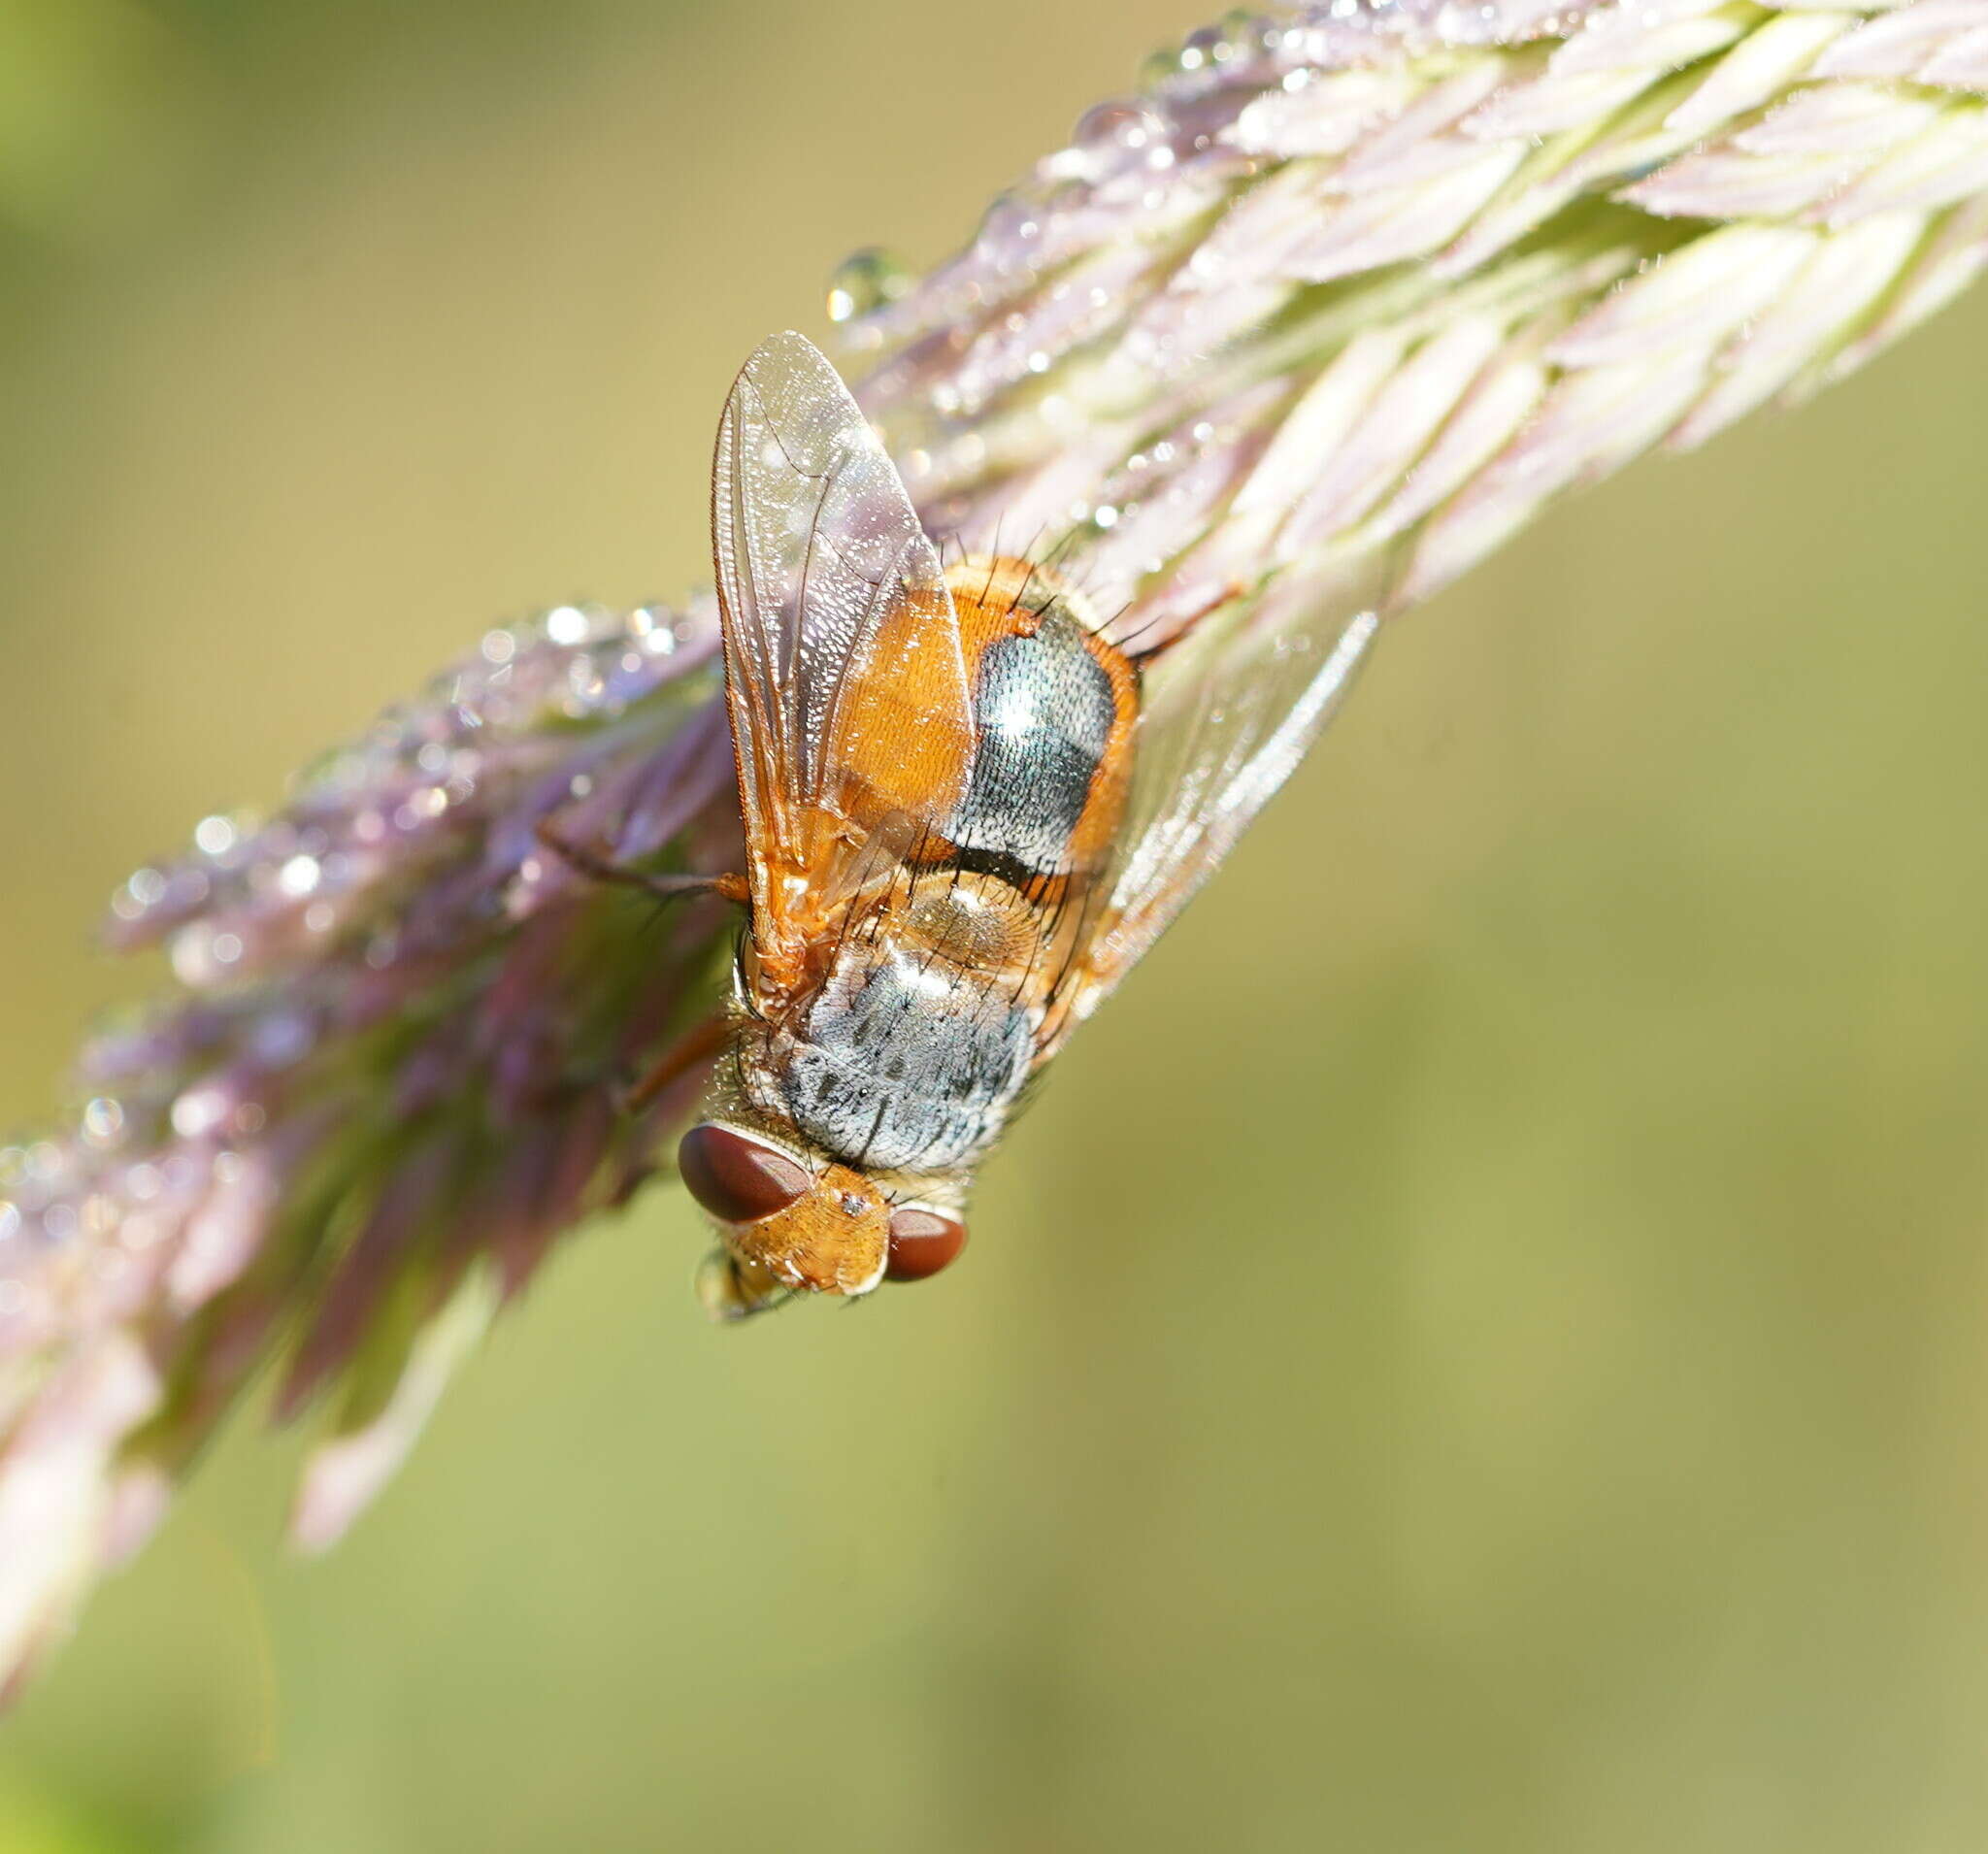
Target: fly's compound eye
[
  {"x": 735, "y": 1177},
  {"x": 922, "y": 1241}
]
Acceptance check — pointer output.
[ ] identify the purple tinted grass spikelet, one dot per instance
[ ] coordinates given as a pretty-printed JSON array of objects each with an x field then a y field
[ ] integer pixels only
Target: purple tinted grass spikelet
[
  {"x": 386, "y": 1086},
  {"x": 1358, "y": 283},
  {"x": 1356, "y": 275}
]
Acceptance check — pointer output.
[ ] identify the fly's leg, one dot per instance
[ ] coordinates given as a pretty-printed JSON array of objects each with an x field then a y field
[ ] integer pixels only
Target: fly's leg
[
  {"x": 697, "y": 1044},
  {"x": 593, "y": 865},
  {"x": 1143, "y": 652},
  {"x": 702, "y": 1040}
]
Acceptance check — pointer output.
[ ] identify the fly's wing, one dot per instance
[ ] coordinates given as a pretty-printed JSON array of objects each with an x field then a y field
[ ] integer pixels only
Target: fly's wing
[
  {"x": 1227, "y": 715},
  {"x": 842, "y": 668}
]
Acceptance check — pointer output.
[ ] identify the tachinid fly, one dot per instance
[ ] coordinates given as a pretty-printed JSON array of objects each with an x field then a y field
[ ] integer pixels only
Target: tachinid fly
[{"x": 965, "y": 819}]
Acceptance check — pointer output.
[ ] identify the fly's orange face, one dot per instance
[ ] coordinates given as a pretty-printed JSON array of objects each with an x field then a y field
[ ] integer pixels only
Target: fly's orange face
[{"x": 949, "y": 858}]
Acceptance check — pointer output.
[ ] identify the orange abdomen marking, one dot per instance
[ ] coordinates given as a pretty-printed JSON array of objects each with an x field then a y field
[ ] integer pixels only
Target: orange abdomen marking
[{"x": 1033, "y": 787}]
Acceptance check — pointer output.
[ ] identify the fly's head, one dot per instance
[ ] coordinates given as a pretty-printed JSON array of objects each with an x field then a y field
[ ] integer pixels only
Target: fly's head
[{"x": 790, "y": 1222}]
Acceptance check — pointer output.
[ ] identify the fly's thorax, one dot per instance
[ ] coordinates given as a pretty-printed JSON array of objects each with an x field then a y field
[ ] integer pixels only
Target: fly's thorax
[{"x": 897, "y": 1062}]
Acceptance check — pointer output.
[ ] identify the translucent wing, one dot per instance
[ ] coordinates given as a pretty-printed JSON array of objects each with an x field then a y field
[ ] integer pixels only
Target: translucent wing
[
  {"x": 1228, "y": 714},
  {"x": 843, "y": 669}
]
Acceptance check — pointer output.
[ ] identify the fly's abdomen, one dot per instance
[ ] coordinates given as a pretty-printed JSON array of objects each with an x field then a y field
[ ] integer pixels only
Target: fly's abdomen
[{"x": 1044, "y": 713}]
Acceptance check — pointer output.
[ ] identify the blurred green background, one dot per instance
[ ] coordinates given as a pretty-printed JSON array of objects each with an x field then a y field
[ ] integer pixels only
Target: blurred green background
[{"x": 1480, "y": 1348}]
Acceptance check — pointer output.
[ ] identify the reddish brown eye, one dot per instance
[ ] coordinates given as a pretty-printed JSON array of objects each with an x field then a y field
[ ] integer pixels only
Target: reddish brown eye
[
  {"x": 735, "y": 1177},
  {"x": 922, "y": 1241}
]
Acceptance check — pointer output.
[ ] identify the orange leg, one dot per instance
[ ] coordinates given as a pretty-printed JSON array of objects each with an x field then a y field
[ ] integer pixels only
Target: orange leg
[
  {"x": 602, "y": 868},
  {"x": 1151, "y": 653},
  {"x": 697, "y": 1044}
]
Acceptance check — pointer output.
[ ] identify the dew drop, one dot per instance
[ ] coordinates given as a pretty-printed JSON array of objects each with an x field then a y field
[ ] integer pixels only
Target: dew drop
[
  {"x": 1107, "y": 127},
  {"x": 1010, "y": 230},
  {"x": 103, "y": 1119},
  {"x": 190, "y": 953},
  {"x": 216, "y": 836},
  {"x": 864, "y": 280}
]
